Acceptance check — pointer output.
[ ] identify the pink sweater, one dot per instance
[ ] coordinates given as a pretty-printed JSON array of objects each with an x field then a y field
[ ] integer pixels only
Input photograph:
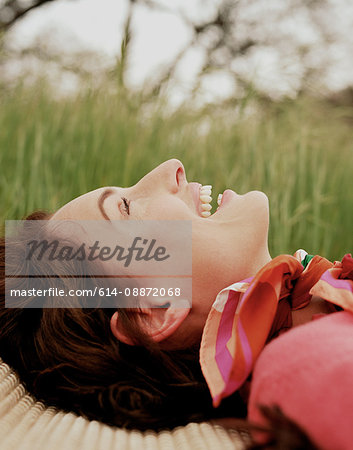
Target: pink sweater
[{"x": 308, "y": 372}]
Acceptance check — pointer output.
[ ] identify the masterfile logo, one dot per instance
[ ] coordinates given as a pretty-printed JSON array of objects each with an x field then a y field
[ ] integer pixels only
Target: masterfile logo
[{"x": 118, "y": 263}]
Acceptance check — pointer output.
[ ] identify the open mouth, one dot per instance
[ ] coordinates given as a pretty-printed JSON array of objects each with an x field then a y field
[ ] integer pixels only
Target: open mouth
[{"x": 203, "y": 196}]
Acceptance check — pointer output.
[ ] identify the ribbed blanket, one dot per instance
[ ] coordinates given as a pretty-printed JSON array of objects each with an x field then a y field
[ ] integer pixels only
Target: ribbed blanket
[{"x": 26, "y": 424}]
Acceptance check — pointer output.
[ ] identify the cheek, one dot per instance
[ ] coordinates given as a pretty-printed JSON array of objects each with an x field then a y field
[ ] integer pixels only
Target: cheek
[{"x": 168, "y": 209}]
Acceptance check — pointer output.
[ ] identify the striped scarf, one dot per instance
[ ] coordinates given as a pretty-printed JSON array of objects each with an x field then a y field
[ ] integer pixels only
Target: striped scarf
[{"x": 248, "y": 314}]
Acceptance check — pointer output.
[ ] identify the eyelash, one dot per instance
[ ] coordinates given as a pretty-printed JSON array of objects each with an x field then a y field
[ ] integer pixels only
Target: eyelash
[{"x": 126, "y": 205}]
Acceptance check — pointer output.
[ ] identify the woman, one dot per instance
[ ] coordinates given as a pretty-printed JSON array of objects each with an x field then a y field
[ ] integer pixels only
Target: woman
[{"x": 139, "y": 368}]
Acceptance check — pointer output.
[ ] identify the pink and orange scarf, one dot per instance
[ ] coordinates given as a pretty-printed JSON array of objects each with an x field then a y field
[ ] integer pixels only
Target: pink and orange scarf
[{"x": 249, "y": 313}]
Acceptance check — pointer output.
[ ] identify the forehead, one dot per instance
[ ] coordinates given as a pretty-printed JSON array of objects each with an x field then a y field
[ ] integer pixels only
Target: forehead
[{"x": 83, "y": 207}]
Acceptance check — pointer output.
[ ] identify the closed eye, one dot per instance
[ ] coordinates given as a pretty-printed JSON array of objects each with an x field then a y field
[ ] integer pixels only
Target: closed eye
[{"x": 126, "y": 205}]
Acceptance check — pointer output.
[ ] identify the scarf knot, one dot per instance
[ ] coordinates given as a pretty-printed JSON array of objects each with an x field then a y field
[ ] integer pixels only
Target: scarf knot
[{"x": 248, "y": 314}]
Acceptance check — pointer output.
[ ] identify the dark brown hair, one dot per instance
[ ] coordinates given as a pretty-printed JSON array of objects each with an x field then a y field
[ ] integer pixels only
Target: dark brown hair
[{"x": 68, "y": 358}]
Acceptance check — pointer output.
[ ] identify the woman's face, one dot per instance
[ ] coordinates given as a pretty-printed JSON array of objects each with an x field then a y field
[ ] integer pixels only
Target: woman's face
[{"x": 227, "y": 246}]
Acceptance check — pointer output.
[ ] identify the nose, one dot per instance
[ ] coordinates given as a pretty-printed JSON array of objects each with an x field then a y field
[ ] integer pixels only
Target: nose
[{"x": 170, "y": 175}]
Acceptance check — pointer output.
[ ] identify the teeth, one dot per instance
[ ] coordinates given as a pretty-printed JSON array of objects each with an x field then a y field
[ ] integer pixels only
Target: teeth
[{"x": 205, "y": 198}]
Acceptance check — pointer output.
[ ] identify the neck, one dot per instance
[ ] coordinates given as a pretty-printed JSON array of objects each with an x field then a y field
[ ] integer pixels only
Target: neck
[{"x": 262, "y": 259}]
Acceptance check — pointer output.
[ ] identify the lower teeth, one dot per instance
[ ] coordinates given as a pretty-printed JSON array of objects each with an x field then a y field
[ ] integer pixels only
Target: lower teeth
[{"x": 219, "y": 199}]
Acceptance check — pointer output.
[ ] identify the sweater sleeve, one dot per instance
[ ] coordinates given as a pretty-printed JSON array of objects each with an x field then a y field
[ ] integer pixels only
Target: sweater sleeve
[{"x": 308, "y": 373}]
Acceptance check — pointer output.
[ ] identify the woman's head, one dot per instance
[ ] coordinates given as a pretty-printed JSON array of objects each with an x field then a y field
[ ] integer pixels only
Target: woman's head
[
  {"x": 69, "y": 358},
  {"x": 80, "y": 359},
  {"x": 228, "y": 246}
]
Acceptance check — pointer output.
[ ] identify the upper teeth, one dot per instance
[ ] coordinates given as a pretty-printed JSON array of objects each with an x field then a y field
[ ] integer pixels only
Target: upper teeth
[{"x": 205, "y": 198}]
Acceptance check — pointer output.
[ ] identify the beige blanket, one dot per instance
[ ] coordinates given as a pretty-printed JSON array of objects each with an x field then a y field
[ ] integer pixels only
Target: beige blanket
[{"x": 27, "y": 424}]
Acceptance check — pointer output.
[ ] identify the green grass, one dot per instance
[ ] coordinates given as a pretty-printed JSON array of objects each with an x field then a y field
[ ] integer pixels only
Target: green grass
[{"x": 299, "y": 152}]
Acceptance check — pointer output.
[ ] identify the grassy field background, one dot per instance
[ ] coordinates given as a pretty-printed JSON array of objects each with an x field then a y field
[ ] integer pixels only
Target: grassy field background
[{"x": 300, "y": 152}]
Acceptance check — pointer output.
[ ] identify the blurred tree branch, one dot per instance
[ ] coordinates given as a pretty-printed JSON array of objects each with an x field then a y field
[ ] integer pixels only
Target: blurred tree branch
[
  {"x": 222, "y": 23},
  {"x": 235, "y": 31},
  {"x": 232, "y": 34},
  {"x": 13, "y": 10}
]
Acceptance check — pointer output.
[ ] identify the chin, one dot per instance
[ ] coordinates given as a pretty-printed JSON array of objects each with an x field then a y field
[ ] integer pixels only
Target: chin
[
  {"x": 260, "y": 202},
  {"x": 260, "y": 195}
]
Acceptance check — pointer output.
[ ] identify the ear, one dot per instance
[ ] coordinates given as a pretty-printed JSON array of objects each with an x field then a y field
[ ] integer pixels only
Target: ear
[{"x": 158, "y": 323}]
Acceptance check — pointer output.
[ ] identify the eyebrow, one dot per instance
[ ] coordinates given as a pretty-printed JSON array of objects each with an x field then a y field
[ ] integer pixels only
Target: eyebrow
[{"x": 104, "y": 195}]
